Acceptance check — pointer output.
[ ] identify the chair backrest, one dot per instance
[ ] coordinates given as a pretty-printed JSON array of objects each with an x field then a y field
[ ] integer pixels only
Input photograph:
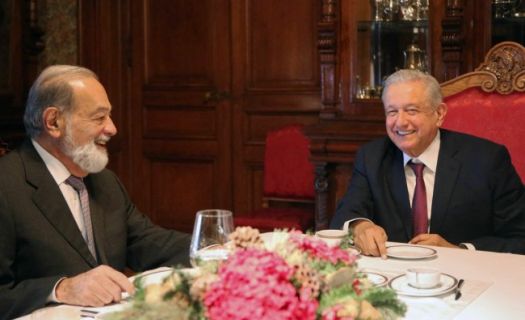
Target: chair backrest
[
  {"x": 288, "y": 172},
  {"x": 490, "y": 101}
]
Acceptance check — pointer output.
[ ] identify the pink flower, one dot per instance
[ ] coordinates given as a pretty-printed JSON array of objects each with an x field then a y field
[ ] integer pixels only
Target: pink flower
[{"x": 256, "y": 284}]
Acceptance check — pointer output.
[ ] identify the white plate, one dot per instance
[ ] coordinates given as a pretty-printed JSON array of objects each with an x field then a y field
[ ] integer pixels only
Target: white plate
[
  {"x": 153, "y": 276},
  {"x": 410, "y": 252},
  {"x": 148, "y": 277},
  {"x": 401, "y": 286},
  {"x": 375, "y": 278}
]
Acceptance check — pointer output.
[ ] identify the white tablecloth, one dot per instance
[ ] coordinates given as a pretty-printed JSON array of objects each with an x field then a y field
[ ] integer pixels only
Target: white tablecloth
[{"x": 493, "y": 289}]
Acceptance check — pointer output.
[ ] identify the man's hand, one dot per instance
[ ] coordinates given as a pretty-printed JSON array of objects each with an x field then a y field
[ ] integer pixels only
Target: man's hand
[
  {"x": 97, "y": 287},
  {"x": 370, "y": 238},
  {"x": 432, "y": 240}
]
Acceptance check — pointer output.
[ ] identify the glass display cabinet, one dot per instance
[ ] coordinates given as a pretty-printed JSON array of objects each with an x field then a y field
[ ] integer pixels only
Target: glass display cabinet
[
  {"x": 508, "y": 21},
  {"x": 391, "y": 35}
]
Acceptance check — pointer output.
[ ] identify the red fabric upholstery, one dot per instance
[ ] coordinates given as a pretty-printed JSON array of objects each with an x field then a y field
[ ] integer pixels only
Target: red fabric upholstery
[
  {"x": 288, "y": 174},
  {"x": 500, "y": 118}
]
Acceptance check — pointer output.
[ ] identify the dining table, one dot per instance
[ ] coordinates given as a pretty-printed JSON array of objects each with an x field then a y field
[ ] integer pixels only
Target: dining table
[{"x": 492, "y": 284}]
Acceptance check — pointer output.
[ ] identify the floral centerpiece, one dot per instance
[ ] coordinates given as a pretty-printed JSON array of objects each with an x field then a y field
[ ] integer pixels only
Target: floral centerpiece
[{"x": 293, "y": 276}]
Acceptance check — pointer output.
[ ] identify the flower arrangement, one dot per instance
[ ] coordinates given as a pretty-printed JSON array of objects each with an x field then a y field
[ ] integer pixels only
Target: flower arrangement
[{"x": 293, "y": 276}]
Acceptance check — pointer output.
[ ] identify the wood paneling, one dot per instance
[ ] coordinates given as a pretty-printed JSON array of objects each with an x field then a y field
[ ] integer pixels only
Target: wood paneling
[
  {"x": 183, "y": 151},
  {"x": 275, "y": 82},
  {"x": 180, "y": 187},
  {"x": 206, "y": 80},
  {"x": 180, "y": 122},
  {"x": 281, "y": 44},
  {"x": 179, "y": 42},
  {"x": 103, "y": 27},
  {"x": 259, "y": 123}
]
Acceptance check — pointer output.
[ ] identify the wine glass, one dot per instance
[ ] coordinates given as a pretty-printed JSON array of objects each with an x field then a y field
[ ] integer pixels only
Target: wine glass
[{"x": 210, "y": 234}]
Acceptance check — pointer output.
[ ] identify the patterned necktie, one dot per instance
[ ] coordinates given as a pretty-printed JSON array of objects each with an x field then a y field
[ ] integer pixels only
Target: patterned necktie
[
  {"x": 419, "y": 202},
  {"x": 80, "y": 187}
]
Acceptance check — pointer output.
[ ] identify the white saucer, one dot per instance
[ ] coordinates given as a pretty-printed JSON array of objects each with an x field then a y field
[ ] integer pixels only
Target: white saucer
[
  {"x": 410, "y": 252},
  {"x": 376, "y": 279},
  {"x": 354, "y": 250},
  {"x": 401, "y": 286}
]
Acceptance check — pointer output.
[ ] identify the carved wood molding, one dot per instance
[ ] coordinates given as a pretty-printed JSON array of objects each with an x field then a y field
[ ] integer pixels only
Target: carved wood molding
[
  {"x": 327, "y": 45},
  {"x": 34, "y": 43},
  {"x": 452, "y": 37},
  {"x": 502, "y": 71},
  {"x": 507, "y": 62}
]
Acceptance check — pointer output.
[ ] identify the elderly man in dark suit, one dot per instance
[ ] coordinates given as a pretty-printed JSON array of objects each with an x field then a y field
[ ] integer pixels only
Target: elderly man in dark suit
[
  {"x": 469, "y": 193},
  {"x": 67, "y": 227}
]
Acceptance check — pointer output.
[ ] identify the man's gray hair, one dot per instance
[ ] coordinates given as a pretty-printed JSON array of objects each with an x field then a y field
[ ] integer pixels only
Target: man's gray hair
[
  {"x": 51, "y": 88},
  {"x": 433, "y": 90}
]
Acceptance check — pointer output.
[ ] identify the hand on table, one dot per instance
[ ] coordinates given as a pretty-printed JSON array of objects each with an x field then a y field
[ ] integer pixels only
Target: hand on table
[
  {"x": 97, "y": 287},
  {"x": 370, "y": 238},
  {"x": 432, "y": 240}
]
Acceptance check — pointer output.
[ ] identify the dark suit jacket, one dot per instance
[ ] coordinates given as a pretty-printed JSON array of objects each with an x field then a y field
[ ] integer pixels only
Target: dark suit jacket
[
  {"x": 478, "y": 196},
  {"x": 40, "y": 241}
]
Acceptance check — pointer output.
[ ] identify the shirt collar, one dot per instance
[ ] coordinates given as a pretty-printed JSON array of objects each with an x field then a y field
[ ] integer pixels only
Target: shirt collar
[
  {"x": 429, "y": 157},
  {"x": 58, "y": 171}
]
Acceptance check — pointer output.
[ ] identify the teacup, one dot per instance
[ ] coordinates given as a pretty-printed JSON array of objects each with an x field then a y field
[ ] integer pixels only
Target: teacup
[
  {"x": 331, "y": 236},
  {"x": 423, "y": 277}
]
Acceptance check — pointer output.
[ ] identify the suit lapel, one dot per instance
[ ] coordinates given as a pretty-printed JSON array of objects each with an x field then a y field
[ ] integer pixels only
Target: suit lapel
[
  {"x": 396, "y": 180},
  {"x": 447, "y": 172},
  {"x": 49, "y": 199},
  {"x": 97, "y": 219}
]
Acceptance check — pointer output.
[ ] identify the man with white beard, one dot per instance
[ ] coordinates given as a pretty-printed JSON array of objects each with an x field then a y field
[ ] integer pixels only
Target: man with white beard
[{"x": 67, "y": 227}]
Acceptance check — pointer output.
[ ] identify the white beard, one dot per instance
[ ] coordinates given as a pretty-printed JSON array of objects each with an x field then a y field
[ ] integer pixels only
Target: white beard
[{"x": 88, "y": 157}]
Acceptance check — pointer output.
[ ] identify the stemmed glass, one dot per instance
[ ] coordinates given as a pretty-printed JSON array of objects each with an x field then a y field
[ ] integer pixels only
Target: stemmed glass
[{"x": 210, "y": 234}]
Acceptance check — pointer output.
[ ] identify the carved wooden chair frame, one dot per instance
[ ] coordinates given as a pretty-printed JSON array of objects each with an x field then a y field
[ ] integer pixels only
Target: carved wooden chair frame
[{"x": 502, "y": 71}]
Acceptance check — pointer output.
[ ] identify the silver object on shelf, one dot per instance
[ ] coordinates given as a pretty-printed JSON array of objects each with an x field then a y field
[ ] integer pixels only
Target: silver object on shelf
[{"x": 415, "y": 58}]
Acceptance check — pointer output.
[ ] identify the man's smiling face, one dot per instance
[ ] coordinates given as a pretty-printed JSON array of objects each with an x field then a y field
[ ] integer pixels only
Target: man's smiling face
[{"x": 411, "y": 121}]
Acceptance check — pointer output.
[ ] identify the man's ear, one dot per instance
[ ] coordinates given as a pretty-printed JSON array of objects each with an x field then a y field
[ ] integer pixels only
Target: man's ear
[
  {"x": 53, "y": 121},
  {"x": 441, "y": 112}
]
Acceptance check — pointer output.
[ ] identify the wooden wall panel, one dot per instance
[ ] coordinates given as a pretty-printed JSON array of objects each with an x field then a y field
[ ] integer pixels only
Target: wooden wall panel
[
  {"x": 276, "y": 82},
  {"x": 189, "y": 122},
  {"x": 259, "y": 123},
  {"x": 103, "y": 46},
  {"x": 181, "y": 52},
  {"x": 281, "y": 44},
  {"x": 207, "y": 80},
  {"x": 179, "y": 42},
  {"x": 180, "y": 186}
]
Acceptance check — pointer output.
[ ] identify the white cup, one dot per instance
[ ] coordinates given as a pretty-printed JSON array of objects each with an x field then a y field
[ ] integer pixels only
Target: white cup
[
  {"x": 423, "y": 277},
  {"x": 331, "y": 236}
]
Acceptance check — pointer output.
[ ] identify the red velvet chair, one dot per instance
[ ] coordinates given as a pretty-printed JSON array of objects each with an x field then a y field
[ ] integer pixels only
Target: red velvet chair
[
  {"x": 490, "y": 101},
  {"x": 288, "y": 191}
]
